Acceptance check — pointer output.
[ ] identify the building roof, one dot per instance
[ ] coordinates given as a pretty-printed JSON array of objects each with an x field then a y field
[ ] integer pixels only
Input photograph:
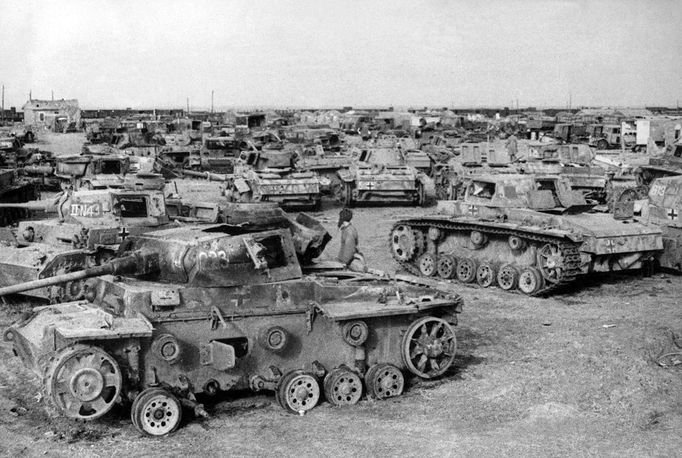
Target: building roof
[{"x": 35, "y": 104}]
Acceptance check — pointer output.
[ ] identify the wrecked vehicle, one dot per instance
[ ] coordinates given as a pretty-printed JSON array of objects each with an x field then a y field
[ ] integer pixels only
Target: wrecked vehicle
[
  {"x": 14, "y": 189},
  {"x": 383, "y": 175},
  {"x": 519, "y": 231},
  {"x": 195, "y": 310},
  {"x": 270, "y": 176},
  {"x": 87, "y": 229},
  {"x": 662, "y": 209}
]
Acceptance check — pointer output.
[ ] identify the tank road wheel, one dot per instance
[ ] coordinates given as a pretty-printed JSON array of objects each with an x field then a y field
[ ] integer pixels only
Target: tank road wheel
[
  {"x": 403, "y": 243},
  {"x": 298, "y": 391},
  {"x": 466, "y": 270},
  {"x": 507, "y": 277},
  {"x": 428, "y": 347},
  {"x": 486, "y": 274},
  {"x": 343, "y": 387},
  {"x": 156, "y": 412},
  {"x": 384, "y": 381},
  {"x": 446, "y": 266},
  {"x": 551, "y": 262},
  {"x": 530, "y": 280},
  {"x": 427, "y": 264},
  {"x": 628, "y": 195},
  {"x": 84, "y": 382},
  {"x": 346, "y": 194}
]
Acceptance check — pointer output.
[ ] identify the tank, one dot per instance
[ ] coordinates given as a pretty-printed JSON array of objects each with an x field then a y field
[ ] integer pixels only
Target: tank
[
  {"x": 87, "y": 228},
  {"x": 518, "y": 231},
  {"x": 381, "y": 174},
  {"x": 14, "y": 189},
  {"x": 198, "y": 310},
  {"x": 270, "y": 176},
  {"x": 571, "y": 161},
  {"x": 471, "y": 160},
  {"x": 662, "y": 209}
]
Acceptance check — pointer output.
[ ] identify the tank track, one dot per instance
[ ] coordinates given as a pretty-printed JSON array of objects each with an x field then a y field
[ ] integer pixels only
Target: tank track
[{"x": 571, "y": 254}]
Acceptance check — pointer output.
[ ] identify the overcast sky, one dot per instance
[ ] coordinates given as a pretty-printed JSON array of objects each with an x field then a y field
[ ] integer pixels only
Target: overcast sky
[{"x": 117, "y": 53}]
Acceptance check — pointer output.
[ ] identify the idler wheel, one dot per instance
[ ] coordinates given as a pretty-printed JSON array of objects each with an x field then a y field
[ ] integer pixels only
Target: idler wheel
[
  {"x": 516, "y": 243},
  {"x": 427, "y": 264},
  {"x": 84, "y": 382},
  {"x": 403, "y": 243},
  {"x": 384, "y": 381},
  {"x": 298, "y": 391},
  {"x": 156, "y": 412},
  {"x": 551, "y": 262},
  {"x": 428, "y": 347},
  {"x": 343, "y": 387},
  {"x": 466, "y": 270},
  {"x": 507, "y": 277},
  {"x": 486, "y": 275},
  {"x": 530, "y": 280},
  {"x": 446, "y": 266}
]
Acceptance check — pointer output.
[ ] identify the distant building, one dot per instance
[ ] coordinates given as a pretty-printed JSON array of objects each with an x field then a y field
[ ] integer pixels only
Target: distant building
[{"x": 56, "y": 115}]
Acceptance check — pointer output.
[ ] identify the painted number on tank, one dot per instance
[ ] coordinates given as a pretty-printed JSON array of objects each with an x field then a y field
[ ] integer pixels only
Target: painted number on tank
[
  {"x": 658, "y": 189},
  {"x": 213, "y": 260},
  {"x": 86, "y": 210}
]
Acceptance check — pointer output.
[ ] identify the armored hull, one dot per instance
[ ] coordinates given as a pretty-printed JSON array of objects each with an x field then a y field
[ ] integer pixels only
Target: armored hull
[
  {"x": 201, "y": 310},
  {"x": 512, "y": 248}
]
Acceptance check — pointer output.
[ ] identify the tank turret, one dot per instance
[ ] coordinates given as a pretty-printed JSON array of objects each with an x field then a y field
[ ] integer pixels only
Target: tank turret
[{"x": 204, "y": 309}]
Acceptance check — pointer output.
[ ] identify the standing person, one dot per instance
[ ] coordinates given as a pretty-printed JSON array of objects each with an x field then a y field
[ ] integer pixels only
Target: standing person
[
  {"x": 512, "y": 146},
  {"x": 349, "y": 253}
]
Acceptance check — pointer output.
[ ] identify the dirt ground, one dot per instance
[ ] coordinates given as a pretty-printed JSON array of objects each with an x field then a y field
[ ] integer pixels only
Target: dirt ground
[{"x": 570, "y": 375}]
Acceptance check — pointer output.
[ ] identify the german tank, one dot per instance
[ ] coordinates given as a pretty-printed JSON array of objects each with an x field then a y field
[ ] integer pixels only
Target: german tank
[
  {"x": 86, "y": 229},
  {"x": 520, "y": 231},
  {"x": 381, "y": 174},
  {"x": 14, "y": 189},
  {"x": 662, "y": 209},
  {"x": 194, "y": 310},
  {"x": 270, "y": 176}
]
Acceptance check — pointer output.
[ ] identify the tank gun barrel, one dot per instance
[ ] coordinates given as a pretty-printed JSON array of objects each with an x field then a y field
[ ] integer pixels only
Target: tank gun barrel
[
  {"x": 206, "y": 175},
  {"x": 137, "y": 262},
  {"x": 37, "y": 170},
  {"x": 46, "y": 205}
]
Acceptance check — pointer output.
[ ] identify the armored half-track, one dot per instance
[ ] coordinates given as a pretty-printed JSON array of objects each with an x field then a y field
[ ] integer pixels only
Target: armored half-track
[
  {"x": 520, "y": 231},
  {"x": 270, "y": 176},
  {"x": 195, "y": 310},
  {"x": 382, "y": 174}
]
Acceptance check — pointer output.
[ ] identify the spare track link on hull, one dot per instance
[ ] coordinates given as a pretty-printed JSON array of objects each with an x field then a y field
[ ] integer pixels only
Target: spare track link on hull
[{"x": 571, "y": 254}]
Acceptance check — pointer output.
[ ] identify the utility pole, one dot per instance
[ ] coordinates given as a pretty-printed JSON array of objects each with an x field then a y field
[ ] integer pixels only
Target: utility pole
[
  {"x": 3, "y": 102},
  {"x": 53, "y": 96},
  {"x": 187, "y": 106},
  {"x": 570, "y": 101},
  {"x": 212, "y": 101}
]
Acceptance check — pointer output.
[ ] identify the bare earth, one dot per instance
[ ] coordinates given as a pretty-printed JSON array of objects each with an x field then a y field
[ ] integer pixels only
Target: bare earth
[{"x": 571, "y": 375}]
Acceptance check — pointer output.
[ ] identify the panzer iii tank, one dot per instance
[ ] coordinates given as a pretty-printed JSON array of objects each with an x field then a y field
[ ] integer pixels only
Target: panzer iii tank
[
  {"x": 197, "y": 310},
  {"x": 269, "y": 176},
  {"x": 87, "y": 229},
  {"x": 521, "y": 231}
]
